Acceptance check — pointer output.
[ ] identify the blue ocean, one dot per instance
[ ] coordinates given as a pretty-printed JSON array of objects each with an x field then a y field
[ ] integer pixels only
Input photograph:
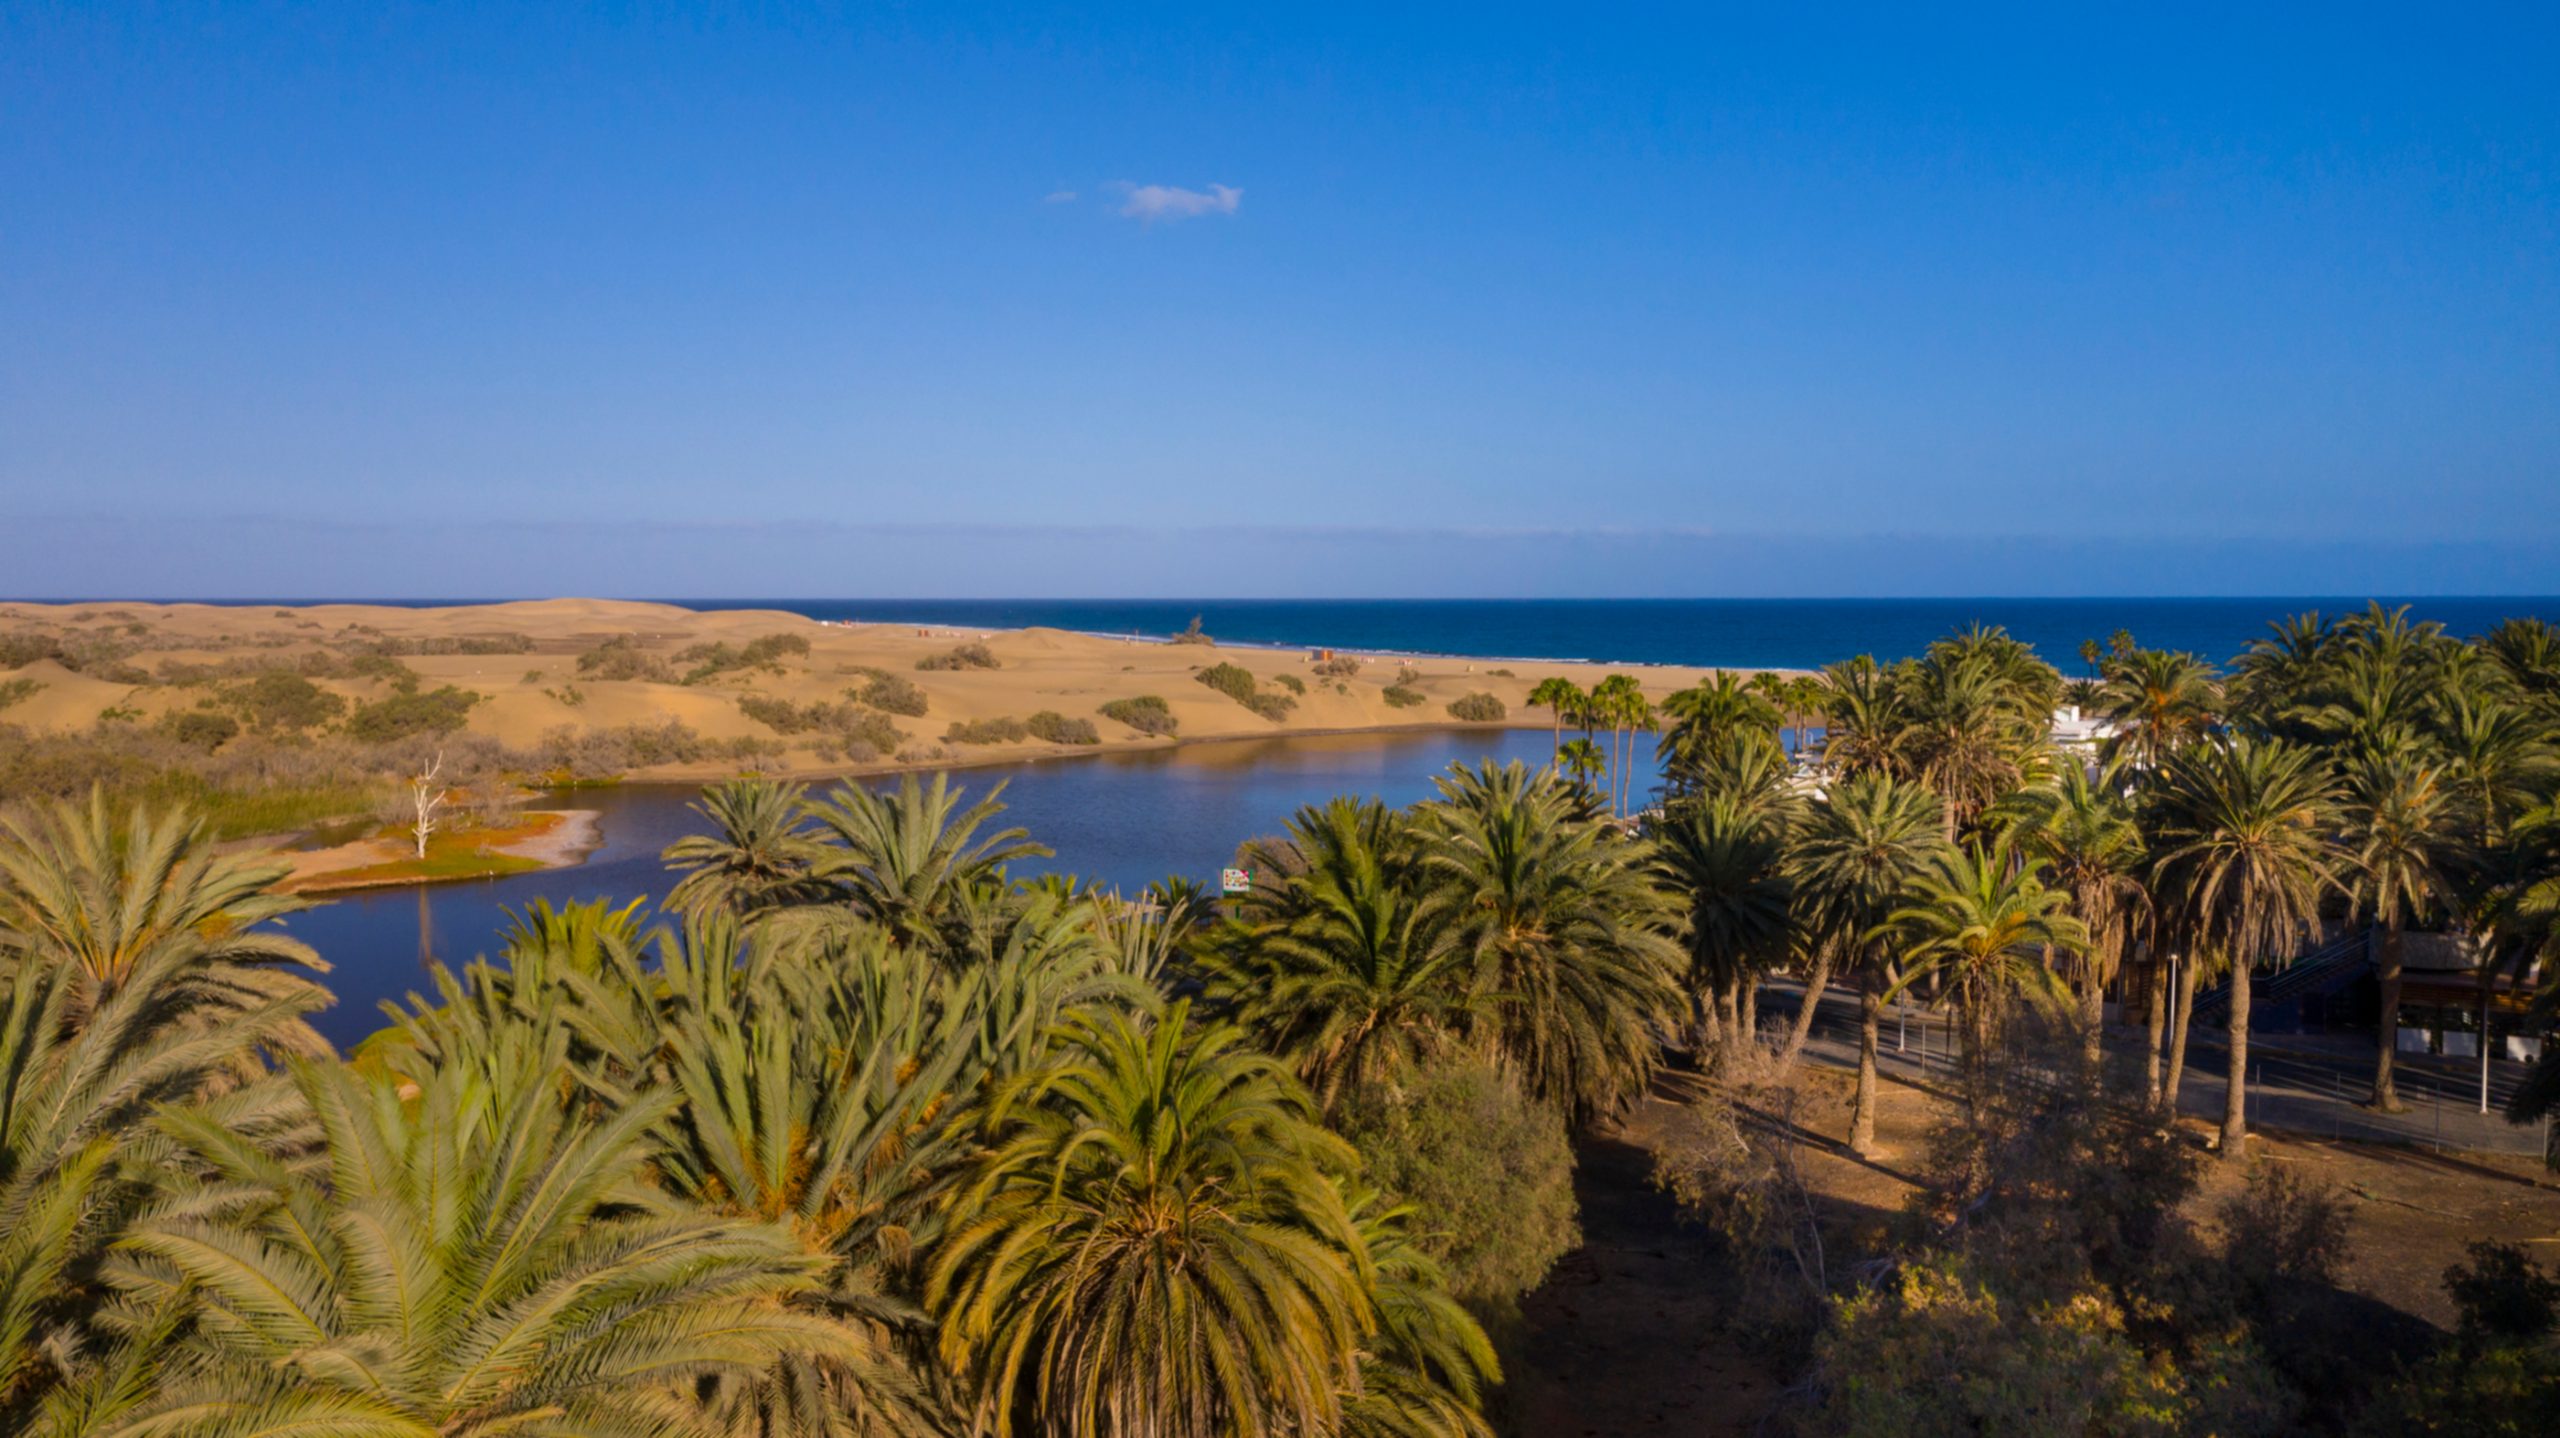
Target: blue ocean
[{"x": 1736, "y": 633}]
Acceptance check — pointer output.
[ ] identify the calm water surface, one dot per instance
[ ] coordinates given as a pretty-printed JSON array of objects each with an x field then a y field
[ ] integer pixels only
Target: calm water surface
[{"x": 1123, "y": 820}]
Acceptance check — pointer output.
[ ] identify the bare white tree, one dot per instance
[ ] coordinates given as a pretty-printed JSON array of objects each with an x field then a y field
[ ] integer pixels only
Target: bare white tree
[{"x": 427, "y": 796}]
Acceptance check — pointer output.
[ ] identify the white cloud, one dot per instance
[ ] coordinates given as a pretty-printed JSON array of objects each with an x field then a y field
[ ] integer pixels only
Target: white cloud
[
  {"x": 1172, "y": 202},
  {"x": 1059, "y": 197}
]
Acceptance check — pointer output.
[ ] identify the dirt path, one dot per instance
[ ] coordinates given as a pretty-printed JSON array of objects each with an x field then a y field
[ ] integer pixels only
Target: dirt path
[{"x": 1627, "y": 1336}]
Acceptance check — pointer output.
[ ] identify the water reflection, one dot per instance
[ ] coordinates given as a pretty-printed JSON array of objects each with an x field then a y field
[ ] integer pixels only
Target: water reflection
[{"x": 1123, "y": 820}]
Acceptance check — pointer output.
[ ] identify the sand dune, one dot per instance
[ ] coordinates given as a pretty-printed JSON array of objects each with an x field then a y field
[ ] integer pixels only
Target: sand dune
[{"x": 526, "y": 694}]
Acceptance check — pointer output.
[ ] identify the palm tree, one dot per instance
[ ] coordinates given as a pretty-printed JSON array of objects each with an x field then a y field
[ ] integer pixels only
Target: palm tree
[
  {"x": 1865, "y": 721},
  {"x": 467, "y": 1261},
  {"x": 1156, "y": 1244},
  {"x": 111, "y": 900},
  {"x": 2086, "y": 834},
  {"x": 1583, "y": 762},
  {"x": 1430, "y": 1363},
  {"x": 1568, "y": 925},
  {"x": 1726, "y": 857},
  {"x": 1982, "y": 920},
  {"x": 2157, "y": 701},
  {"x": 1853, "y": 862},
  {"x": 1707, "y": 719},
  {"x": 2275, "y": 674},
  {"x": 1618, "y": 701},
  {"x": 758, "y": 855},
  {"x": 1348, "y": 974},
  {"x": 1971, "y": 737},
  {"x": 910, "y": 859},
  {"x": 2403, "y": 837},
  {"x": 1560, "y": 697},
  {"x": 2241, "y": 861}
]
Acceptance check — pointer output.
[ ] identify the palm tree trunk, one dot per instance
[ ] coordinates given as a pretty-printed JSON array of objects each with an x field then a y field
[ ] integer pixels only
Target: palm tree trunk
[
  {"x": 1751, "y": 1009},
  {"x": 2386, "y": 1094},
  {"x": 1814, "y": 984},
  {"x": 2093, "y": 1017},
  {"x": 1708, "y": 1032},
  {"x": 2178, "y": 1037},
  {"x": 2235, "y": 1089},
  {"x": 2158, "y": 1006},
  {"x": 1862, "y": 1117}
]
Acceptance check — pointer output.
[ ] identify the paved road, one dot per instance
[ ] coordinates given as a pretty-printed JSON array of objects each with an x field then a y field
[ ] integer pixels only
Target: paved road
[{"x": 2301, "y": 1083}]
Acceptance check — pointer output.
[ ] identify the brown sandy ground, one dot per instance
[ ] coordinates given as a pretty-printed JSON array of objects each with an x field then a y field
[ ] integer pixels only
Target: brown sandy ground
[
  {"x": 535, "y": 839},
  {"x": 527, "y": 695},
  {"x": 1629, "y": 1336}
]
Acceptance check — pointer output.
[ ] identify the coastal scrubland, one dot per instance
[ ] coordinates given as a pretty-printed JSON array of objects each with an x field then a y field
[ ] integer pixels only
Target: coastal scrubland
[{"x": 270, "y": 718}]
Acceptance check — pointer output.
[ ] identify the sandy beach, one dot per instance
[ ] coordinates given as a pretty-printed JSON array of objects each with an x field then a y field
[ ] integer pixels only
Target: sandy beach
[{"x": 531, "y": 683}]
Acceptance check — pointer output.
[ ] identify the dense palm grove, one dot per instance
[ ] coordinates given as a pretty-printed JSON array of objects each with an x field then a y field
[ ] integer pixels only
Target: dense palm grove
[{"x": 868, "y": 1136}]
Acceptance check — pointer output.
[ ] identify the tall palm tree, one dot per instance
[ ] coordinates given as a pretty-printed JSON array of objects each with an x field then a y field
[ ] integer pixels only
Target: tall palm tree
[
  {"x": 2158, "y": 701},
  {"x": 1568, "y": 924},
  {"x": 1156, "y": 1244},
  {"x": 2085, "y": 832},
  {"x": 758, "y": 856},
  {"x": 1726, "y": 858},
  {"x": 1429, "y": 1365},
  {"x": 467, "y": 1261},
  {"x": 2276, "y": 674},
  {"x": 2241, "y": 861},
  {"x": 1982, "y": 920},
  {"x": 1618, "y": 701},
  {"x": 1561, "y": 698},
  {"x": 108, "y": 899},
  {"x": 1853, "y": 861},
  {"x": 911, "y": 858},
  {"x": 1970, "y": 735},
  {"x": 2403, "y": 836}
]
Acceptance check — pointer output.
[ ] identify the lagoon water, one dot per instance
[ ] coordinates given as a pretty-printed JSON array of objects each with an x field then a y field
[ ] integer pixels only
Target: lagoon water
[{"x": 1122, "y": 820}]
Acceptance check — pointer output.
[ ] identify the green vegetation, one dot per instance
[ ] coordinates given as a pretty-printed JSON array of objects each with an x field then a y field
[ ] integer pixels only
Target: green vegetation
[
  {"x": 1057, "y": 728},
  {"x": 622, "y": 658},
  {"x": 19, "y": 689},
  {"x": 1237, "y": 683},
  {"x": 972, "y": 655},
  {"x": 1478, "y": 709},
  {"x": 1147, "y": 713},
  {"x": 847, "y": 730},
  {"x": 410, "y": 713},
  {"x": 996, "y": 1175},
  {"x": 1003, "y": 730},
  {"x": 1401, "y": 696},
  {"x": 702, "y": 663},
  {"x": 889, "y": 693},
  {"x": 1191, "y": 634}
]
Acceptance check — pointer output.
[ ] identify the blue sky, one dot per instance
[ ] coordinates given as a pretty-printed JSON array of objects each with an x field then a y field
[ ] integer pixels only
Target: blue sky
[{"x": 1282, "y": 300}]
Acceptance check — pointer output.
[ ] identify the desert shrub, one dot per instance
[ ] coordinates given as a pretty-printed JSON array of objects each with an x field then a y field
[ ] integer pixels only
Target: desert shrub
[
  {"x": 2284, "y": 1228},
  {"x": 1007, "y": 730},
  {"x": 1146, "y": 713},
  {"x": 893, "y": 693},
  {"x": 1290, "y": 682},
  {"x": 702, "y": 663},
  {"x": 2505, "y": 1391},
  {"x": 1501, "y": 674},
  {"x": 1490, "y": 1171},
  {"x": 622, "y": 658},
  {"x": 1400, "y": 696},
  {"x": 1341, "y": 666},
  {"x": 1057, "y": 728},
  {"x": 864, "y": 735},
  {"x": 478, "y": 644},
  {"x": 18, "y": 690},
  {"x": 402, "y": 715},
  {"x": 278, "y": 702},
  {"x": 1478, "y": 709},
  {"x": 1407, "y": 674},
  {"x": 382, "y": 667},
  {"x": 2503, "y": 1296},
  {"x": 972, "y": 655},
  {"x": 200, "y": 729},
  {"x": 1237, "y": 683},
  {"x": 1936, "y": 1350},
  {"x": 781, "y": 715},
  {"x": 18, "y": 650},
  {"x": 1192, "y": 634}
]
